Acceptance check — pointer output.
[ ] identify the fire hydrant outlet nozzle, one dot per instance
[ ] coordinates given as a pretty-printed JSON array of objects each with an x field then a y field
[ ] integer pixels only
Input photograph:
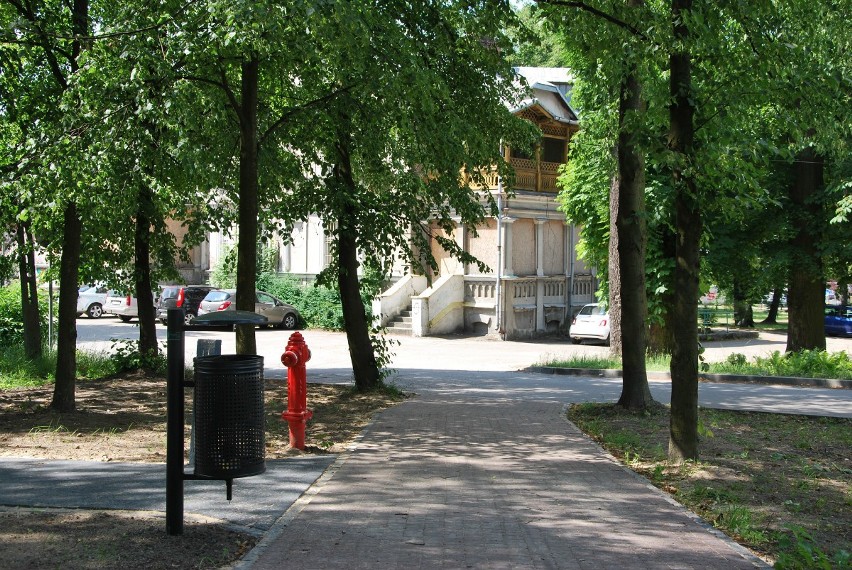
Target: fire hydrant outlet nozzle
[
  {"x": 289, "y": 359},
  {"x": 296, "y": 354}
]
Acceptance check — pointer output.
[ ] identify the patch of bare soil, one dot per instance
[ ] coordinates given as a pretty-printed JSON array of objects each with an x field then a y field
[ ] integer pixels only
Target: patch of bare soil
[{"x": 124, "y": 419}]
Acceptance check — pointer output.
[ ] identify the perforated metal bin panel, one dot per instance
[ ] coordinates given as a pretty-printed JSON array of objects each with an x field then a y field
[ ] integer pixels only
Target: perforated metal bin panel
[{"x": 229, "y": 421}]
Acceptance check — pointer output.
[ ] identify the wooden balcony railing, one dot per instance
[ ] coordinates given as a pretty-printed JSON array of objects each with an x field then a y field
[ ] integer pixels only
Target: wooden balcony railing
[{"x": 529, "y": 175}]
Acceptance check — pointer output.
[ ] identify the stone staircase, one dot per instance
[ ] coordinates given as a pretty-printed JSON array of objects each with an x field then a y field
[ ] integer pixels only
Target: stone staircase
[{"x": 401, "y": 324}]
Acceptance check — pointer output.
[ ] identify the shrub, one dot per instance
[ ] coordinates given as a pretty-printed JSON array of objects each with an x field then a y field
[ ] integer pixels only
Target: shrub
[
  {"x": 807, "y": 363},
  {"x": 125, "y": 355},
  {"x": 319, "y": 305},
  {"x": 11, "y": 315}
]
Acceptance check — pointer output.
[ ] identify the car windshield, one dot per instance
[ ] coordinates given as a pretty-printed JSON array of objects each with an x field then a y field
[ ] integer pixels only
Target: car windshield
[{"x": 217, "y": 296}]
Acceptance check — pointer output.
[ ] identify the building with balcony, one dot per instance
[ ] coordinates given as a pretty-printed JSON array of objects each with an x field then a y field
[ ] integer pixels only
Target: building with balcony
[{"x": 534, "y": 282}]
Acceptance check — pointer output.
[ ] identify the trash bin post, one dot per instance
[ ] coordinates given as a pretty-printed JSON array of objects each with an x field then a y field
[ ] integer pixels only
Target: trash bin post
[
  {"x": 175, "y": 412},
  {"x": 174, "y": 421}
]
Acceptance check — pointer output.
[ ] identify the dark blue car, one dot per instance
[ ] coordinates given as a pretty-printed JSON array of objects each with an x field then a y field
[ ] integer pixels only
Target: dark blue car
[{"x": 838, "y": 320}]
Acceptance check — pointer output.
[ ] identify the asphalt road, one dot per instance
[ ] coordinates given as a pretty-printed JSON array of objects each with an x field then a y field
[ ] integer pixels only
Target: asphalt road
[{"x": 479, "y": 365}]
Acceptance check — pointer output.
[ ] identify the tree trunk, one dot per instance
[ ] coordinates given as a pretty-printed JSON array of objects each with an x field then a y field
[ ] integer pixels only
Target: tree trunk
[
  {"x": 661, "y": 336},
  {"x": 248, "y": 209},
  {"x": 29, "y": 293},
  {"x": 66, "y": 333},
  {"x": 632, "y": 235},
  {"x": 363, "y": 357},
  {"x": 142, "y": 273},
  {"x": 843, "y": 292},
  {"x": 806, "y": 287},
  {"x": 683, "y": 442},
  {"x": 774, "y": 304},
  {"x": 364, "y": 365},
  {"x": 614, "y": 269},
  {"x": 743, "y": 313}
]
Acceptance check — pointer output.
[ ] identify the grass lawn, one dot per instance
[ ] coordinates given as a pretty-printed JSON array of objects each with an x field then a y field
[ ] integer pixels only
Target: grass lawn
[{"x": 778, "y": 484}]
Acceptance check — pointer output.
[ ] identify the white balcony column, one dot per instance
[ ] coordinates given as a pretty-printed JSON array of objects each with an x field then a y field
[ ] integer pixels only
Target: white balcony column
[
  {"x": 539, "y": 259},
  {"x": 204, "y": 261},
  {"x": 286, "y": 257},
  {"x": 539, "y": 246},
  {"x": 568, "y": 264},
  {"x": 508, "y": 271}
]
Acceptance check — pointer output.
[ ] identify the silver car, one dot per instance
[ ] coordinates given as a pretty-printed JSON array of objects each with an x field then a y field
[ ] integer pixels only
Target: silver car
[
  {"x": 120, "y": 305},
  {"x": 277, "y": 312},
  {"x": 90, "y": 300}
]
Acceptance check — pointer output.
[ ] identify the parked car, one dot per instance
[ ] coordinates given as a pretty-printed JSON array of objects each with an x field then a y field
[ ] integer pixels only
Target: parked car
[
  {"x": 90, "y": 300},
  {"x": 277, "y": 312},
  {"x": 121, "y": 305},
  {"x": 838, "y": 320},
  {"x": 592, "y": 322},
  {"x": 187, "y": 297}
]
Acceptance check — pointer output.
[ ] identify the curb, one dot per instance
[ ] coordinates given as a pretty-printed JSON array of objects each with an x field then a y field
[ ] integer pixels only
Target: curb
[{"x": 702, "y": 377}]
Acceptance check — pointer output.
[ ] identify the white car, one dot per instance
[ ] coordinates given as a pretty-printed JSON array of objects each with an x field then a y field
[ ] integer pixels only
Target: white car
[
  {"x": 592, "y": 322},
  {"x": 122, "y": 306},
  {"x": 91, "y": 300}
]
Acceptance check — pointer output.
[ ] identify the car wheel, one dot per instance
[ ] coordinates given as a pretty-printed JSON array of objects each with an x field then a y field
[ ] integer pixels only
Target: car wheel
[
  {"x": 606, "y": 341},
  {"x": 289, "y": 322},
  {"x": 188, "y": 318},
  {"x": 124, "y": 319},
  {"x": 576, "y": 340},
  {"x": 95, "y": 311}
]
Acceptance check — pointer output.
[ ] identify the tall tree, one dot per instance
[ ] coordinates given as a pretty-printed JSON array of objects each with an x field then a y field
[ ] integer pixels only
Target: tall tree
[
  {"x": 17, "y": 117},
  {"x": 423, "y": 93},
  {"x": 142, "y": 174},
  {"x": 57, "y": 34},
  {"x": 234, "y": 55},
  {"x": 29, "y": 291},
  {"x": 631, "y": 227},
  {"x": 683, "y": 443},
  {"x": 610, "y": 54}
]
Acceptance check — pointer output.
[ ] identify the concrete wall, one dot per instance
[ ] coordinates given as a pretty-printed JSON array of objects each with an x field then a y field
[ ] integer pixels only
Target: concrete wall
[
  {"x": 554, "y": 247},
  {"x": 483, "y": 247},
  {"x": 523, "y": 247},
  {"x": 393, "y": 301},
  {"x": 439, "y": 309}
]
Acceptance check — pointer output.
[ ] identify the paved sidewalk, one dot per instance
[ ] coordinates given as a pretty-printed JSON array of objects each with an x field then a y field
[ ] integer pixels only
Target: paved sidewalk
[
  {"x": 257, "y": 503},
  {"x": 443, "y": 481}
]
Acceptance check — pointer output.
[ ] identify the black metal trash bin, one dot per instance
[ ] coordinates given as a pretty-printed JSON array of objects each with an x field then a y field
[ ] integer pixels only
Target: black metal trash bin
[{"x": 230, "y": 436}]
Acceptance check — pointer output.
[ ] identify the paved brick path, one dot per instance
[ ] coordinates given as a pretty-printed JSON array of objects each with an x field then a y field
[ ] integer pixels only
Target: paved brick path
[{"x": 443, "y": 482}]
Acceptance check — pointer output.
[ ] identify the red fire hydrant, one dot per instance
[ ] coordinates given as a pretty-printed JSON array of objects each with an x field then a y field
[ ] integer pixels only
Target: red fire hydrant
[{"x": 296, "y": 354}]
